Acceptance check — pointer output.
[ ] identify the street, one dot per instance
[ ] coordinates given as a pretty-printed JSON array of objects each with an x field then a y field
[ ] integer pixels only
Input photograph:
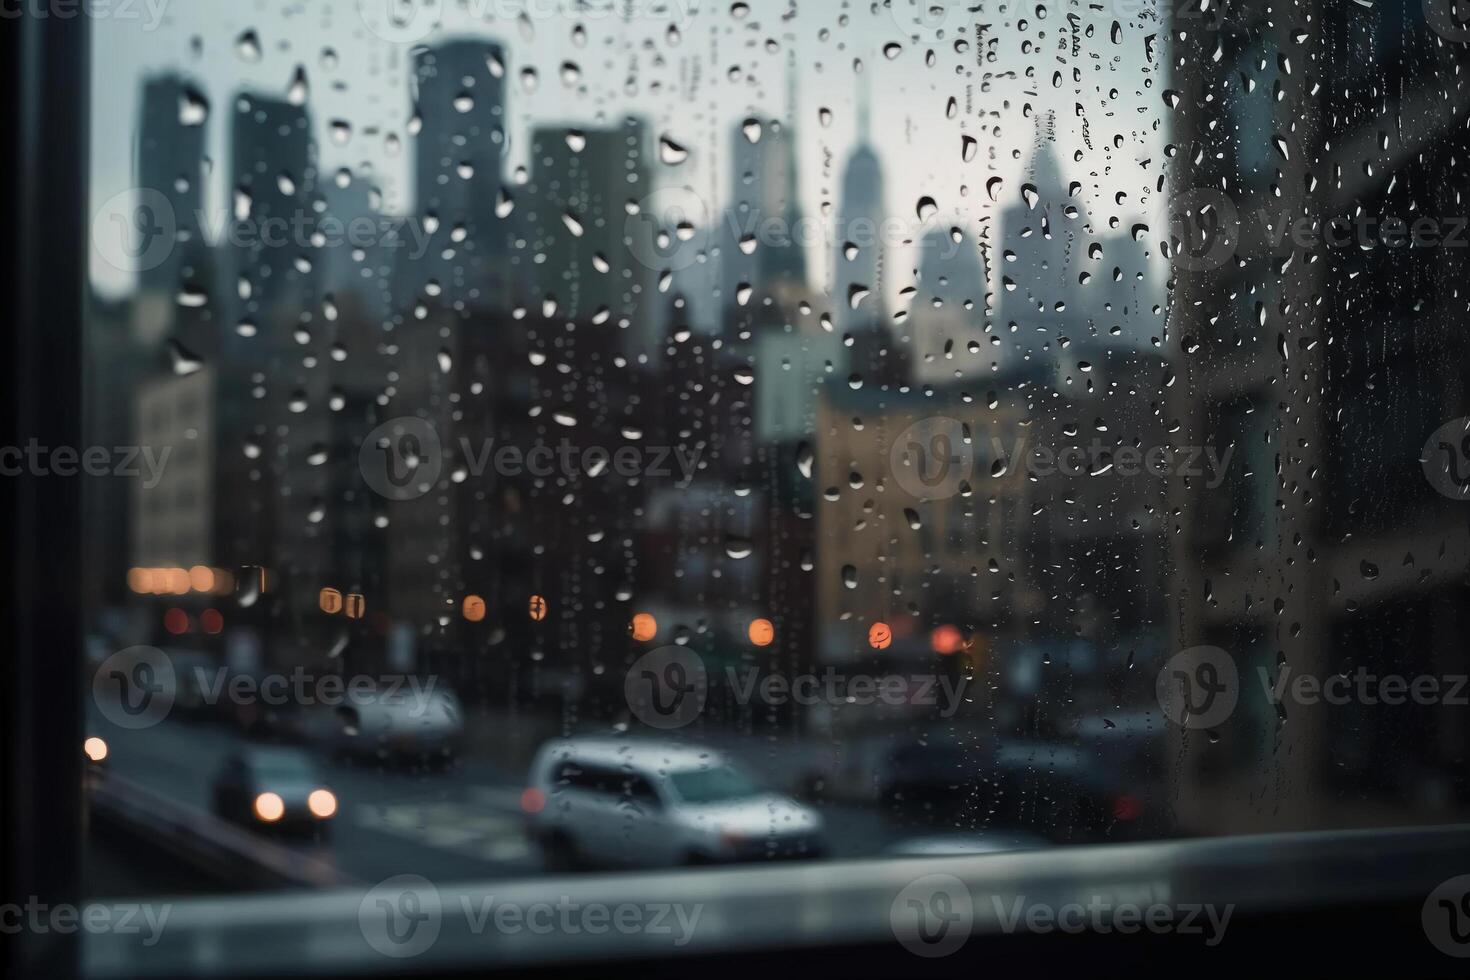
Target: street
[{"x": 462, "y": 824}]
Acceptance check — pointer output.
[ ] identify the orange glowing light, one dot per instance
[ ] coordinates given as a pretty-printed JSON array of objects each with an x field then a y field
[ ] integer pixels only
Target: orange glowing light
[
  {"x": 946, "y": 640},
  {"x": 643, "y": 628},
  {"x": 95, "y": 748},
  {"x": 211, "y": 621},
  {"x": 201, "y": 578},
  {"x": 537, "y": 607},
  {"x": 140, "y": 580},
  {"x": 178, "y": 580},
  {"x": 355, "y": 605},
  {"x": 474, "y": 608},
  {"x": 321, "y": 803},
  {"x": 269, "y": 807},
  {"x": 330, "y": 601},
  {"x": 762, "y": 632},
  {"x": 880, "y": 636}
]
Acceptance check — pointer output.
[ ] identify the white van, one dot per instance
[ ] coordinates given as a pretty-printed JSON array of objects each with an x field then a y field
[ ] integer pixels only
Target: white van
[{"x": 652, "y": 804}]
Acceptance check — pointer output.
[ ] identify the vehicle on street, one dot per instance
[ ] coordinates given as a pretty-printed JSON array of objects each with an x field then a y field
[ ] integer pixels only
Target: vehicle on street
[
  {"x": 648, "y": 804},
  {"x": 407, "y": 727},
  {"x": 931, "y": 770},
  {"x": 273, "y": 787},
  {"x": 1099, "y": 779}
]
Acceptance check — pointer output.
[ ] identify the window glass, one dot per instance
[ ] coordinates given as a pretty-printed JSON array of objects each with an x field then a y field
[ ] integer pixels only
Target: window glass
[
  {"x": 711, "y": 785},
  {"x": 867, "y": 423}
]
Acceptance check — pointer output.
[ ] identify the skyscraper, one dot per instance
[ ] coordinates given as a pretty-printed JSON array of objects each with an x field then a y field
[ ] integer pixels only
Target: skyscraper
[
  {"x": 459, "y": 105},
  {"x": 168, "y": 166},
  {"x": 763, "y": 229},
  {"x": 272, "y": 176},
  {"x": 1044, "y": 236},
  {"x": 578, "y": 210},
  {"x": 857, "y": 259},
  {"x": 1063, "y": 283},
  {"x": 355, "y": 271},
  {"x": 271, "y": 400},
  {"x": 947, "y": 315},
  {"x": 169, "y": 159}
]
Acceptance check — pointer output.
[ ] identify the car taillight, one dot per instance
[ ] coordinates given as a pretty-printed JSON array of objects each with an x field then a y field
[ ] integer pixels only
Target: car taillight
[
  {"x": 1127, "y": 807},
  {"x": 533, "y": 800}
]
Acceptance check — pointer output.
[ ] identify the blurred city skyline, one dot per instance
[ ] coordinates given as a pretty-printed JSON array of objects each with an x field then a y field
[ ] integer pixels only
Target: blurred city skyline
[
  {"x": 873, "y": 427},
  {"x": 668, "y": 86}
]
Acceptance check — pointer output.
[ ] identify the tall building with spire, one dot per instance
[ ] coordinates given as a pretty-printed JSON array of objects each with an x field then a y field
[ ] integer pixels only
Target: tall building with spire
[
  {"x": 1061, "y": 283},
  {"x": 1041, "y": 232},
  {"x": 766, "y": 285},
  {"x": 857, "y": 259}
]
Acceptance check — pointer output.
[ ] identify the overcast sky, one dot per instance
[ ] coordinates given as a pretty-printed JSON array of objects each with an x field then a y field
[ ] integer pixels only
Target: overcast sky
[{"x": 721, "y": 67}]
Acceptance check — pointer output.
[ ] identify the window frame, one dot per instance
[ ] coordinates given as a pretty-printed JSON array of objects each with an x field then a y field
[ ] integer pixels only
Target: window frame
[{"x": 44, "y": 63}]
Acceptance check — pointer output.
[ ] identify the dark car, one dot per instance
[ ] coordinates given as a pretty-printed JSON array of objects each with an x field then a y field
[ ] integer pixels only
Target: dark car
[
  {"x": 934, "y": 771},
  {"x": 1100, "y": 779},
  {"x": 408, "y": 727},
  {"x": 198, "y": 678},
  {"x": 273, "y": 787},
  {"x": 269, "y": 714}
]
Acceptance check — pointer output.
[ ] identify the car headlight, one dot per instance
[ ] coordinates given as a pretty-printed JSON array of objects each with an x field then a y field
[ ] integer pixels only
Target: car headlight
[
  {"x": 269, "y": 807},
  {"x": 321, "y": 803}
]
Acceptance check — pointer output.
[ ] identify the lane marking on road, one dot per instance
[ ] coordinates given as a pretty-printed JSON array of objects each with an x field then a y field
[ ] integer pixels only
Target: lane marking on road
[{"x": 460, "y": 826}]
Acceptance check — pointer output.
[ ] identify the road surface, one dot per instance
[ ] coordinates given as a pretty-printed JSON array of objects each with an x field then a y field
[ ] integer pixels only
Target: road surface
[{"x": 459, "y": 825}]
